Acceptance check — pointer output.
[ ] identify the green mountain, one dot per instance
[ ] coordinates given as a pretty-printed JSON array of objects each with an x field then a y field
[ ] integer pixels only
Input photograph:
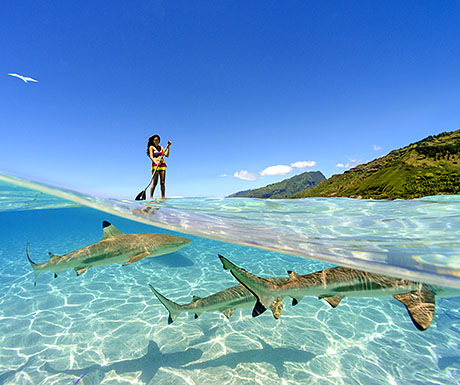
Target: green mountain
[
  {"x": 428, "y": 167},
  {"x": 286, "y": 188}
]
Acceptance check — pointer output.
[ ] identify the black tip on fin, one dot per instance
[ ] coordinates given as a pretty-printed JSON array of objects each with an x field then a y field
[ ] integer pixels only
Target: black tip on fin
[
  {"x": 170, "y": 320},
  {"x": 258, "y": 309},
  {"x": 55, "y": 275},
  {"x": 294, "y": 302},
  {"x": 196, "y": 316},
  {"x": 289, "y": 271},
  {"x": 224, "y": 261},
  {"x": 106, "y": 224}
]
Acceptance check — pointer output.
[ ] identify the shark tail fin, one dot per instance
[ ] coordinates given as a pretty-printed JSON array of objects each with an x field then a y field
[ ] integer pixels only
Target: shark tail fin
[
  {"x": 263, "y": 289},
  {"x": 34, "y": 266},
  {"x": 173, "y": 308}
]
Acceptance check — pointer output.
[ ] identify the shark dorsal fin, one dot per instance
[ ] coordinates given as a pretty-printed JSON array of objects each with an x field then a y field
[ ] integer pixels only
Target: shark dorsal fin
[
  {"x": 110, "y": 231},
  {"x": 420, "y": 305},
  {"x": 228, "y": 313},
  {"x": 195, "y": 298},
  {"x": 54, "y": 255},
  {"x": 293, "y": 276},
  {"x": 333, "y": 301}
]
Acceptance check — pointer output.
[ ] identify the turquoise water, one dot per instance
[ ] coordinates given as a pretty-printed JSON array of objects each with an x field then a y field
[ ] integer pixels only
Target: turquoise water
[{"x": 106, "y": 327}]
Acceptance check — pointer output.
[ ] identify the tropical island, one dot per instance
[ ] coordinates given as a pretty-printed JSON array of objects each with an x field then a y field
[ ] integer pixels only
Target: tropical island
[
  {"x": 428, "y": 167},
  {"x": 285, "y": 189}
]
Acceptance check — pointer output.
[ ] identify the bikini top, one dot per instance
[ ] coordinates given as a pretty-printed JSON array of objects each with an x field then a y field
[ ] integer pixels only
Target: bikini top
[{"x": 157, "y": 153}]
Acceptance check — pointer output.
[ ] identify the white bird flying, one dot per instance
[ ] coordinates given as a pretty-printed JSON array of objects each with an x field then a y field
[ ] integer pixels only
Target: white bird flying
[{"x": 25, "y": 78}]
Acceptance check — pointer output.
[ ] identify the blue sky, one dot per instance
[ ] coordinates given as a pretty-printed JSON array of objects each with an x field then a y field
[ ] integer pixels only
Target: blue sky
[{"x": 239, "y": 87}]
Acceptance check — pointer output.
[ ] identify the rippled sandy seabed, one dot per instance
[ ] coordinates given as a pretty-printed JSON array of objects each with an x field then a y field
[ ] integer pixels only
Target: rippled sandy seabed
[{"x": 108, "y": 326}]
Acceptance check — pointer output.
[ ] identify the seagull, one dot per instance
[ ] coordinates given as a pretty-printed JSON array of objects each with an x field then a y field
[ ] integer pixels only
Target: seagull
[{"x": 25, "y": 78}]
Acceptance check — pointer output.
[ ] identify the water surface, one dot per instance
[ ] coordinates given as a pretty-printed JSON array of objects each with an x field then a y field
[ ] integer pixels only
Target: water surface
[{"x": 108, "y": 325}]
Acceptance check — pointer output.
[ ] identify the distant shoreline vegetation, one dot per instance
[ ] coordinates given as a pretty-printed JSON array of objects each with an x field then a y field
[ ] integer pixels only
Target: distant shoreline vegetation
[
  {"x": 428, "y": 167},
  {"x": 285, "y": 189}
]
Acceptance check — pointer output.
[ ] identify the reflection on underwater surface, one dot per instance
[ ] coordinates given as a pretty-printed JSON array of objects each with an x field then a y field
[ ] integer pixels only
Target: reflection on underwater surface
[
  {"x": 109, "y": 322},
  {"x": 417, "y": 239}
]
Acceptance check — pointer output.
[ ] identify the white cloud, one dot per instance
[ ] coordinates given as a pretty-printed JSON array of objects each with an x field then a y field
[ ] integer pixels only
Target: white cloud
[
  {"x": 223, "y": 175},
  {"x": 341, "y": 165},
  {"x": 303, "y": 164},
  {"x": 276, "y": 170},
  {"x": 245, "y": 175},
  {"x": 376, "y": 148},
  {"x": 272, "y": 170}
]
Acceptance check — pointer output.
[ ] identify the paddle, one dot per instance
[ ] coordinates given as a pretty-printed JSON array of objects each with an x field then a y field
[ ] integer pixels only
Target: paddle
[{"x": 141, "y": 195}]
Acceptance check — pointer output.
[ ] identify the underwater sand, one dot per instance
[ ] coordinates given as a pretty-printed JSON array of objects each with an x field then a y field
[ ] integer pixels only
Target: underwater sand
[{"x": 108, "y": 327}]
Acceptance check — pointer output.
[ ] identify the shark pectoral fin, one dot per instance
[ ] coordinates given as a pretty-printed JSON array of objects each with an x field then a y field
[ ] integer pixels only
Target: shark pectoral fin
[
  {"x": 333, "y": 301},
  {"x": 137, "y": 257},
  {"x": 420, "y": 305},
  {"x": 258, "y": 309},
  {"x": 80, "y": 271},
  {"x": 228, "y": 313},
  {"x": 277, "y": 307},
  {"x": 262, "y": 304}
]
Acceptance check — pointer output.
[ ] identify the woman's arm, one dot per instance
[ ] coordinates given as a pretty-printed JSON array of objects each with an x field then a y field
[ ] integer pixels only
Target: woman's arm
[{"x": 167, "y": 149}]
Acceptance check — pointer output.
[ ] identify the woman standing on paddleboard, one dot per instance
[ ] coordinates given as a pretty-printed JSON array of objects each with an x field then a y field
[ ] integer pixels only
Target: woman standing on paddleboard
[{"x": 156, "y": 154}]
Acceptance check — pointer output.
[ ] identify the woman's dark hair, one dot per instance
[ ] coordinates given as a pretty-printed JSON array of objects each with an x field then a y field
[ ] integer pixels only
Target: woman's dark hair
[{"x": 150, "y": 142}]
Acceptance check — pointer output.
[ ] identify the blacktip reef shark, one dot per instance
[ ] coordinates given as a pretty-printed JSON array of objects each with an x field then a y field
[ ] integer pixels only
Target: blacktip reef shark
[
  {"x": 335, "y": 283},
  {"x": 225, "y": 301},
  {"x": 114, "y": 247}
]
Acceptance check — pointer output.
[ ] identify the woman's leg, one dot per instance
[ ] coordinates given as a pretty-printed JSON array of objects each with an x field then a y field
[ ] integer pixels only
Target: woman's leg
[
  {"x": 154, "y": 184},
  {"x": 162, "y": 183}
]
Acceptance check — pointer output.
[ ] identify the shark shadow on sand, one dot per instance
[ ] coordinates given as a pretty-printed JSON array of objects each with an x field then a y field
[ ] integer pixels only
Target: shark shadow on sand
[
  {"x": 12, "y": 373},
  {"x": 173, "y": 260},
  {"x": 276, "y": 357},
  {"x": 452, "y": 362},
  {"x": 149, "y": 364}
]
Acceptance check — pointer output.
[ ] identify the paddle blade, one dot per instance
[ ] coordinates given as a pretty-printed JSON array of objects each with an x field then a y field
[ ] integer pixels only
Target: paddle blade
[{"x": 140, "y": 196}]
